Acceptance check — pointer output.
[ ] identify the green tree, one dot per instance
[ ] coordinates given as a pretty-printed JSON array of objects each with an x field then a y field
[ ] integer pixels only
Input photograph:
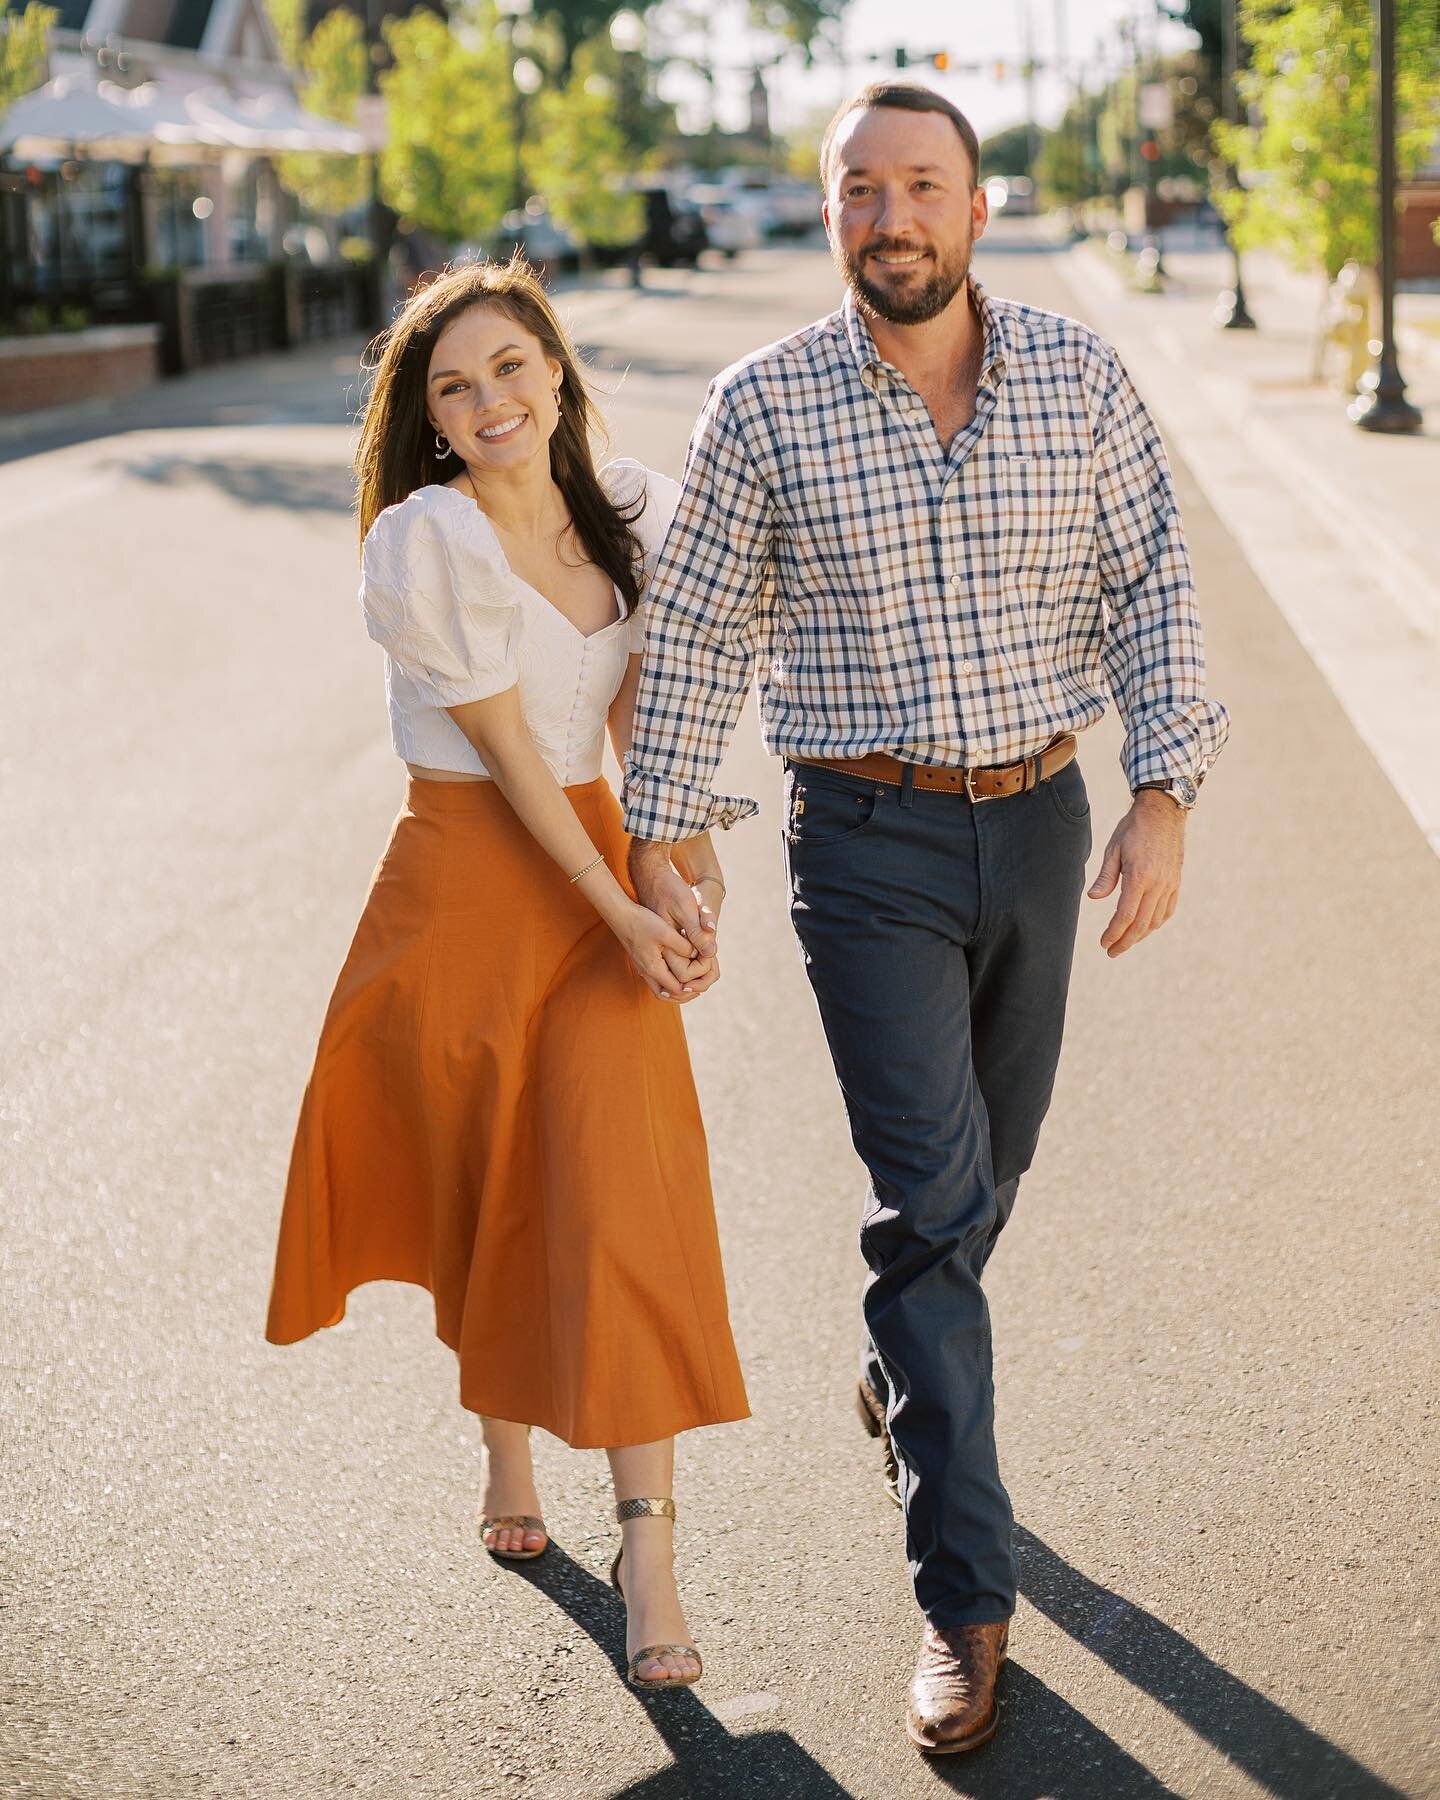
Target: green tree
[
  {"x": 805, "y": 23},
  {"x": 288, "y": 18},
  {"x": 581, "y": 155},
  {"x": 24, "y": 47},
  {"x": 1310, "y": 163},
  {"x": 333, "y": 59},
  {"x": 1007, "y": 152},
  {"x": 449, "y": 151}
]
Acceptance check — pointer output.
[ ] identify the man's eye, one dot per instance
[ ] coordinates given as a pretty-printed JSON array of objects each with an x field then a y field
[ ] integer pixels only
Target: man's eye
[
  {"x": 856, "y": 193},
  {"x": 924, "y": 184}
]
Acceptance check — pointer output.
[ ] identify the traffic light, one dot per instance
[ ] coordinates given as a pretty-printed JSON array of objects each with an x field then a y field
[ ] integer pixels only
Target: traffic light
[
  {"x": 902, "y": 59},
  {"x": 940, "y": 60}
]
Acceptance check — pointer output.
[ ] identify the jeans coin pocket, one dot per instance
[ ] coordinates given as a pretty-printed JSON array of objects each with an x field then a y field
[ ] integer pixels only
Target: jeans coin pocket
[{"x": 820, "y": 813}]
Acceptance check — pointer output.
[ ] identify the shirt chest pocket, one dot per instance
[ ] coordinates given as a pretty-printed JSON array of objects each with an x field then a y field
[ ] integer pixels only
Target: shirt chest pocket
[{"x": 1047, "y": 508}]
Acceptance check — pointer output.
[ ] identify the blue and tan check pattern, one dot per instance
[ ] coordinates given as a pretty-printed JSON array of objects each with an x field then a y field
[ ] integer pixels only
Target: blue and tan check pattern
[{"x": 951, "y": 607}]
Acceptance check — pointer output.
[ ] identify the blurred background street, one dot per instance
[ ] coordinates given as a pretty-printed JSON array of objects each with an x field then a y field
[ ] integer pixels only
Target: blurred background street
[{"x": 235, "y": 1571}]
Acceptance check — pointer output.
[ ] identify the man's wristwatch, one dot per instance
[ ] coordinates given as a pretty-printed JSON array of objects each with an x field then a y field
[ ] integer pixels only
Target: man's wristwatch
[{"x": 1181, "y": 789}]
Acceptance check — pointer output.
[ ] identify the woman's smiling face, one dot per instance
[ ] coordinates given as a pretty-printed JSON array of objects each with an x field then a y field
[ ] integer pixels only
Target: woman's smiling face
[{"x": 491, "y": 390}]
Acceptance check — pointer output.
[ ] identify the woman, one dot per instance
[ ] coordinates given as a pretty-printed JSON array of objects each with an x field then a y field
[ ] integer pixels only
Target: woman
[{"x": 501, "y": 1107}]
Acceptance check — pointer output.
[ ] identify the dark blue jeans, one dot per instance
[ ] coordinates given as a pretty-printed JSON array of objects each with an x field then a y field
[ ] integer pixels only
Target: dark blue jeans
[{"x": 938, "y": 938}]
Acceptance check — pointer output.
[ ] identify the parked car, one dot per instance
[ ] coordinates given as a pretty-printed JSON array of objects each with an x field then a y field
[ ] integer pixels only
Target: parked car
[
  {"x": 675, "y": 233},
  {"x": 730, "y": 228},
  {"x": 540, "y": 239}
]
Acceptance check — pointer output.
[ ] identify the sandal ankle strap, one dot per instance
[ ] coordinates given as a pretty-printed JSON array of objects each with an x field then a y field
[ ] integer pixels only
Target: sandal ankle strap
[{"x": 645, "y": 1509}]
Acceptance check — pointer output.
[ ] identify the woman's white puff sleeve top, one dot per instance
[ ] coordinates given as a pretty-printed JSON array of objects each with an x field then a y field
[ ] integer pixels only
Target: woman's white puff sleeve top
[{"x": 457, "y": 624}]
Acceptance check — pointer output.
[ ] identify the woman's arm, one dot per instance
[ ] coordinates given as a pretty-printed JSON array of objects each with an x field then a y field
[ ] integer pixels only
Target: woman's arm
[{"x": 497, "y": 729}]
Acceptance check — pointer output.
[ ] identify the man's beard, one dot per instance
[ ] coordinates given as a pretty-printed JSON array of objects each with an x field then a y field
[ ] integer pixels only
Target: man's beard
[{"x": 916, "y": 306}]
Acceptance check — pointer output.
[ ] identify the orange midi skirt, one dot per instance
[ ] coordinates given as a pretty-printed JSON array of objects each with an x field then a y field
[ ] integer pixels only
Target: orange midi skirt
[{"x": 502, "y": 1112}]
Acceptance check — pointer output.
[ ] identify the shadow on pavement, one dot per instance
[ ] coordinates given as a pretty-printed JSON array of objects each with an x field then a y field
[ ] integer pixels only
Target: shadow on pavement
[
  {"x": 1272, "y": 1746},
  {"x": 295, "y": 487},
  {"x": 708, "y": 1758},
  {"x": 1045, "y": 1750}
]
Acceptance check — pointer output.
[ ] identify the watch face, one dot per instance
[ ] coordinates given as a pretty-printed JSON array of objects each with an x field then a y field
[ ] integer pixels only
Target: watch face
[{"x": 1186, "y": 791}]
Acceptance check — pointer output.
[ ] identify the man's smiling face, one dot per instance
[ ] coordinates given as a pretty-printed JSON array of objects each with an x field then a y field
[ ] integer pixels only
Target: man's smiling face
[{"x": 903, "y": 211}]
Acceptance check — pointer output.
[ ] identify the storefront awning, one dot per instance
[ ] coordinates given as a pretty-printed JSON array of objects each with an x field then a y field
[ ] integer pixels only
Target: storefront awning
[{"x": 170, "y": 119}]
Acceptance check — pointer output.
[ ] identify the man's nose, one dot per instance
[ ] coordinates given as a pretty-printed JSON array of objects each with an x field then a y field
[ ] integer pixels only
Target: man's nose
[{"x": 893, "y": 216}]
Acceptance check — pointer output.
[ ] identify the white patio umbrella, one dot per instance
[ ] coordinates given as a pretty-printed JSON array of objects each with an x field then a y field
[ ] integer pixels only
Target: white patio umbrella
[
  {"x": 164, "y": 120},
  {"x": 75, "y": 113}
]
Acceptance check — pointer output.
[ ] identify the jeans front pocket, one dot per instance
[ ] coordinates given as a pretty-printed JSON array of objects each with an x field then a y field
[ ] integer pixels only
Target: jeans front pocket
[{"x": 822, "y": 809}]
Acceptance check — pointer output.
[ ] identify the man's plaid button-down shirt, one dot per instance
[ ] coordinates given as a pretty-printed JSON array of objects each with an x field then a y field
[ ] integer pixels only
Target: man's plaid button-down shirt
[{"x": 956, "y": 606}]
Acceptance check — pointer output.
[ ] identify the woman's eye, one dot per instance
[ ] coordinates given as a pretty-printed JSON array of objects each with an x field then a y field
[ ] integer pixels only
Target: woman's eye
[
  {"x": 505, "y": 367},
  {"x": 452, "y": 388}
]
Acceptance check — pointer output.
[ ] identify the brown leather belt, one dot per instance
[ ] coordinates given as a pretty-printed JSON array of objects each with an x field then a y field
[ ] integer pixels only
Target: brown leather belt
[{"x": 975, "y": 784}]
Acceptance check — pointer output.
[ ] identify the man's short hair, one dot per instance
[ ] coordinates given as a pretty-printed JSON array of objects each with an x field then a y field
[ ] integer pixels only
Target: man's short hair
[{"x": 904, "y": 96}]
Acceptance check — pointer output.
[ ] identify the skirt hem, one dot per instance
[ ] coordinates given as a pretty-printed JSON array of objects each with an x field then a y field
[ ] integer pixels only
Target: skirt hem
[{"x": 693, "y": 1420}]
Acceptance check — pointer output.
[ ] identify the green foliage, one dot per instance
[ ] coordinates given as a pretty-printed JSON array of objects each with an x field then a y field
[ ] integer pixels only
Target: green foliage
[
  {"x": 1006, "y": 153},
  {"x": 449, "y": 149},
  {"x": 1310, "y": 164},
  {"x": 577, "y": 22},
  {"x": 805, "y": 23},
  {"x": 24, "y": 45},
  {"x": 580, "y": 156},
  {"x": 288, "y": 18},
  {"x": 1062, "y": 169},
  {"x": 333, "y": 59}
]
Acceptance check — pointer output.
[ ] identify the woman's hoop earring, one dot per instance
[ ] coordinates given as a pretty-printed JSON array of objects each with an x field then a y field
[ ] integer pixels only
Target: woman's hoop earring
[{"x": 442, "y": 446}]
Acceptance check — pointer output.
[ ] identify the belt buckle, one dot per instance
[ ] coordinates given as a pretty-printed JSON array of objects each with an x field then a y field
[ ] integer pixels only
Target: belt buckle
[{"x": 970, "y": 794}]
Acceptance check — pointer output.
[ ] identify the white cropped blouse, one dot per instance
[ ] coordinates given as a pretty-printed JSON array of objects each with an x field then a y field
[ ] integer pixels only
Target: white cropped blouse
[{"x": 458, "y": 624}]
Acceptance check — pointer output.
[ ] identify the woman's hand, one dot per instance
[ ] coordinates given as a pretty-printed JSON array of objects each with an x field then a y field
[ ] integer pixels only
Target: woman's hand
[{"x": 658, "y": 951}]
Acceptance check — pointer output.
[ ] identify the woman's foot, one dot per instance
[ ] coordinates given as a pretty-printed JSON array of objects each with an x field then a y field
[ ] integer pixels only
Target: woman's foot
[
  {"x": 510, "y": 1508},
  {"x": 653, "y": 1614}
]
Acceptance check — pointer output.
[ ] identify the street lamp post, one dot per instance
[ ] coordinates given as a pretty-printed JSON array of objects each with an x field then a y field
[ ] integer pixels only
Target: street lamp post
[
  {"x": 1231, "y": 312},
  {"x": 1381, "y": 404},
  {"x": 627, "y": 38},
  {"x": 524, "y": 80}
]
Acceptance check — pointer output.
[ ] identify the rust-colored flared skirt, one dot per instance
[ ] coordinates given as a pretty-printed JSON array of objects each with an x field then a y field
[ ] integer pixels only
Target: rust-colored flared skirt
[{"x": 502, "y": 1112}]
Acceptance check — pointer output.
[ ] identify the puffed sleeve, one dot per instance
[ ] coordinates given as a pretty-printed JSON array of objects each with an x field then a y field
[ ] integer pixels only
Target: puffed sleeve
[
  {"x": 437, "y": 596},
  {"x": 626, "y": 480}
]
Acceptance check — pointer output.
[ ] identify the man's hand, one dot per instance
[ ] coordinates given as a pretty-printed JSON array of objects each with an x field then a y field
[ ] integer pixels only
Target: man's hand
[
  {"x": 660, "y": 886},
  {"x": 1145, "y": 855}
]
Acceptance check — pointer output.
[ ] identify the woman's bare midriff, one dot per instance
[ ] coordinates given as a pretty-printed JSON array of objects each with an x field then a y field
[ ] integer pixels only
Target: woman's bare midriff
[{"x": 442, "y": 774}]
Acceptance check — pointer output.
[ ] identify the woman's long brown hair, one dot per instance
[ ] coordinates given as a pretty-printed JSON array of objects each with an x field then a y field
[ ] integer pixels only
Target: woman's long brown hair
[{"x": 397, "y": 442}]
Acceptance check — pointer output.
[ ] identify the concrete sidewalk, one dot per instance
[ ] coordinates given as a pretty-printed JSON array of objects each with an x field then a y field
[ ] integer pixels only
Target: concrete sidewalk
[{"x": 1337, "y": 522}]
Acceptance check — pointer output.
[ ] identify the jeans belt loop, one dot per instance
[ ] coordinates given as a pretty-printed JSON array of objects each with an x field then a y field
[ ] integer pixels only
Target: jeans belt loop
[{"x": 907, "y": 785}]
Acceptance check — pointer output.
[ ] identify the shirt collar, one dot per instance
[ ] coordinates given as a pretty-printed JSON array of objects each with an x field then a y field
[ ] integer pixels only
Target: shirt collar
[{"x": 869, "y": 360}]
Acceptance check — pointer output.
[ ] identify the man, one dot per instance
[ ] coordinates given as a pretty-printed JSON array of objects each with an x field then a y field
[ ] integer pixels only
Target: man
[{"x": 942, "y": 528}]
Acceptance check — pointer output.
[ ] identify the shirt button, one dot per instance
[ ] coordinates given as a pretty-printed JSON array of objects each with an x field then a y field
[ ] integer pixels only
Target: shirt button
[
  {"x": 966, "y": 667},
  {"x": 957, "y": 580}
]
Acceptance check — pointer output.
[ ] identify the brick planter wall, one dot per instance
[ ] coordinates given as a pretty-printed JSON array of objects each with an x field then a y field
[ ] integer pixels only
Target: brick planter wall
[{"x": 66, "y": 366}]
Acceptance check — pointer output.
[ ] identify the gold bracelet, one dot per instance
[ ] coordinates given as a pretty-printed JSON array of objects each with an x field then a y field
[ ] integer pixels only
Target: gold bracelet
[
  {"x": 701, "y": 879},
  {"x": 586, "y": 870}
]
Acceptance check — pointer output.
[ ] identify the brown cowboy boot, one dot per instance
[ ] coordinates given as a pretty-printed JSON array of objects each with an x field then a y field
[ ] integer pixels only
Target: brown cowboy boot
[
  {"x": 952, "y": 1697},
  {"x": 872, "y": 1416}
]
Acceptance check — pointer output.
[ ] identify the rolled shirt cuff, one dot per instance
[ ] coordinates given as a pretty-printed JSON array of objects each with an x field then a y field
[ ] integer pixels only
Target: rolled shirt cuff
[
  {"x": 1180, "y": 745},
  {"x": 667, "y": 812}
]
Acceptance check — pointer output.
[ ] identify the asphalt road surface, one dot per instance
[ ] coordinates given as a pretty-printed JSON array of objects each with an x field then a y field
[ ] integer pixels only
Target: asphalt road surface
[{"x": 234, "y": 1570}]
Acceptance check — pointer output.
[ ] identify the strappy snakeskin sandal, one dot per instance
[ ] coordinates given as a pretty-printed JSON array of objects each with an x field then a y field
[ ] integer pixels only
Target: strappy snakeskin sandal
[
  {"x": 647, "y": 1509},
  {"x": 511, "y": 1522}
]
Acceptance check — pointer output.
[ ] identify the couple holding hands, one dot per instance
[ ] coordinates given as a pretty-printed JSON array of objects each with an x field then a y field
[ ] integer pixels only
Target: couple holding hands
[{"x": 939, "y": 529}]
